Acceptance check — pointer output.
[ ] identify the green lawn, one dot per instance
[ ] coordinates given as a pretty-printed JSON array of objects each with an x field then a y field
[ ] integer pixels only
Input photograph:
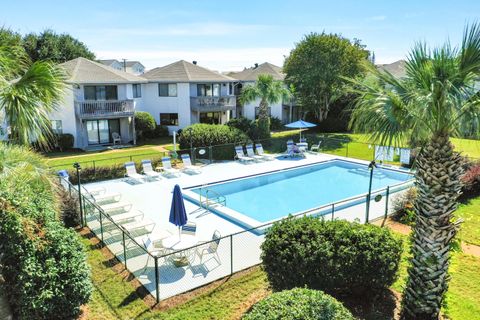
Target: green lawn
[
  {"x": 470, "y": 213},
  {"x": 61, "y": 160}
]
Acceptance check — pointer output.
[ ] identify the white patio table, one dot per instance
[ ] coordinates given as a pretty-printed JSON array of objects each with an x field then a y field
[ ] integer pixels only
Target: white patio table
[{"x": 179, "y": 244}]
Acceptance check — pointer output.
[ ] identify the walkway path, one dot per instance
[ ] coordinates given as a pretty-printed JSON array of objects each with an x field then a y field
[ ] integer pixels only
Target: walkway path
[{"x": 467, "y": 248}]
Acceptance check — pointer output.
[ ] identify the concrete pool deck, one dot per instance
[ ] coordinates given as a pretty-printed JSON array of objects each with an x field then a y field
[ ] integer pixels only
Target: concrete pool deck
[{"x": 153, "y": 198}]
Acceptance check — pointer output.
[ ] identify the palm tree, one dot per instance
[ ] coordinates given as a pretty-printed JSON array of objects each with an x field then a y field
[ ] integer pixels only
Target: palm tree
[
  {"x": 436, "y": 99},
  {"x": 28, "y": 93},
  {"x": 269, "y": 92}
]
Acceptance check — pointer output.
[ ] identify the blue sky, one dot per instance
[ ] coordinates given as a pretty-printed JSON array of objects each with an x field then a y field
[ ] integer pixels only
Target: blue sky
[{"x": 229, "y": 35}]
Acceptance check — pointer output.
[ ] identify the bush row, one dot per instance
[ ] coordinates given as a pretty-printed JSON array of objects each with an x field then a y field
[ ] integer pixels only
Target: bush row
[
  {"x": 251, "y": 128},
  {"x": 146, "y": 127}
]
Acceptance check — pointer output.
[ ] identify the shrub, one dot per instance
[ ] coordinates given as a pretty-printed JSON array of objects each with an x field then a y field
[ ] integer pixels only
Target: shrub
[
  {"x": 298, "y": 304},
  {"x": 144, "y": 124},
  {"x": 64, "y": 141},
  {"x": 243, "y": 124},
  {"x": 337, "y": 257},
  {"x": 43, "y": 263},
  {"x": 403, "y": 210},
  {"x": 161, "y": 131},
  {"x": 69, "y": 210},
  {"x": 221, "y": 137},
  {"x": 471, "y": 180},
  {"x": 276, "y": 124}
]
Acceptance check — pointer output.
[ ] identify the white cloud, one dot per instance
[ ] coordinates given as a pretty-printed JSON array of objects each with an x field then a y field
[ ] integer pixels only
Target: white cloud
[
  {"x": 220, "y": 59},
  {"x": 378, "y": 18}
]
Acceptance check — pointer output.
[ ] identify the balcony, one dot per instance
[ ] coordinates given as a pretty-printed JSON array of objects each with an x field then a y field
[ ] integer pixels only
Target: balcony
[
  {"x": 213, "y": 104},
  {"x": 104, "y": 109}
]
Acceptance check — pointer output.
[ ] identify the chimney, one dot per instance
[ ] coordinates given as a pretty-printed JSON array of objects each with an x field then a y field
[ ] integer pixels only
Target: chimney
[
  {"x": 194, "y": 62},
  {"x": 256, "y": 65}
]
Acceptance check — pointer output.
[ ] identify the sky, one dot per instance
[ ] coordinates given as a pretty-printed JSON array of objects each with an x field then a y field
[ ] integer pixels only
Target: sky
[{"x": 230, "y": 35}]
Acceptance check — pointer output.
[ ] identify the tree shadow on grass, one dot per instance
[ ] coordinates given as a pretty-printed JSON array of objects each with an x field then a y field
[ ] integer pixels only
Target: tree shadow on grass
[{"x": 385, "y": 306}]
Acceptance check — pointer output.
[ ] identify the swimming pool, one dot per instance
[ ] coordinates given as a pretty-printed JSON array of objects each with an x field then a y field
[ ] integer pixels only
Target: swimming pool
[{"x": 274, "y": 195}]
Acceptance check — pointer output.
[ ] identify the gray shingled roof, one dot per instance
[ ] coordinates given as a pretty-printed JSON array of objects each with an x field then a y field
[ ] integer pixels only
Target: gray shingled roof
[
  {"x": 81, "y": 70},
  {"x": 396, "y": 68},
  {"x": 183, "y": 71},
  {"x": 251, "y": 74},
  {"x": 108, "y": 62}
]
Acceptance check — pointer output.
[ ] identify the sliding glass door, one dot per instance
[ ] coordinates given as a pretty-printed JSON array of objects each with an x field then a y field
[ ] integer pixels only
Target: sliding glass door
[{"x": 100, "y": 131}]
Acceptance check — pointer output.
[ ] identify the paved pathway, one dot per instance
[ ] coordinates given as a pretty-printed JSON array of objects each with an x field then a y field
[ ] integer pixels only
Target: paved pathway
[{"x": 404, "y": 229}]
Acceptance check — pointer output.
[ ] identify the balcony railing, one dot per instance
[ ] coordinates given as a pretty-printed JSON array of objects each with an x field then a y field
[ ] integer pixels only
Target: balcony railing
[
  {"x": 203, "y": 104},
  {"x": 104, "y": 109}
]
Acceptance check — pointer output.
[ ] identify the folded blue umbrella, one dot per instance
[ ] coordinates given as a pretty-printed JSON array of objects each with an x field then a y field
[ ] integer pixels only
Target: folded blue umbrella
[{"x": 178, "y": 215}]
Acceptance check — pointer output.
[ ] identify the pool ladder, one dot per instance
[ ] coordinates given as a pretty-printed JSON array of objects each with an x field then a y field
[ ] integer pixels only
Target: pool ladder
[{"x": 211, "y": 198}]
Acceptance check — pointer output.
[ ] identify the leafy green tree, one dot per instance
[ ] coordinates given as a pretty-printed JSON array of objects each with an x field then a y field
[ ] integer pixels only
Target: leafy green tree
[
  {"x": 58, "y": 48},
  {"x": 436, "y": 100},
  {"x": 10, "y": 38},
  {"x": 315, "y": 68},
  {"x": 28, "y": 92},
  {"x": 269, "y": 92},
  {"x": 144, "y": 123}
]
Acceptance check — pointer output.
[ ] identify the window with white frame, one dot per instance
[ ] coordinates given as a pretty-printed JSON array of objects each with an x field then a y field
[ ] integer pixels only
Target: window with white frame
[
  {"x": 167, "y": 89},
  {"x": 169, "y": 119},
  {"x": 100, "y": 93},
  {"x": 56, "y": 126},
  {"x": 137, "y": 90},
  {"x": 208, "y": 89}
]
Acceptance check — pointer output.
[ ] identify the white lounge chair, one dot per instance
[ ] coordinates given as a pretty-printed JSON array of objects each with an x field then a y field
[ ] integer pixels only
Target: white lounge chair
[
  {"x": 144, "y": 224},
  {"x": 189, "y": 228},
  {"x": 187, "y": 165},
  {"x": 100, "y": 196},
  {"x": 127, "y": 216},
  {"x": 148, "y": 170},
  {"x": 116, "y": 207},
  {"x": 167, "y": 168},
  {"x": 241, "y": 156},
  {"x": 291, "y": 152},
  {"x": 261, "y": 153},
  {"x": 252, "y": 154},
  {"x": 132, "y": 173}
]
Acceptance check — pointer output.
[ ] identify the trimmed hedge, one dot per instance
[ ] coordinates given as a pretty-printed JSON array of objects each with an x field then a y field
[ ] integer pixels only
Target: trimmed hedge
[
  {"x": 298, "y": 304},
  {"x": 223, "y": 139},
  {"x": 43, "y": 263},
  {"x": 64, "y": 141},
  {"x": 158, "y": 132},
  {"x": 337, "y": 257}
]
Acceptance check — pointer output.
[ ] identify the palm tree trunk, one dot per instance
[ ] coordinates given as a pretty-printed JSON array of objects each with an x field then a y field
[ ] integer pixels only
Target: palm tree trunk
[
  {"x": 439, "y": 170},
  {"x": 263, "y": 119}
]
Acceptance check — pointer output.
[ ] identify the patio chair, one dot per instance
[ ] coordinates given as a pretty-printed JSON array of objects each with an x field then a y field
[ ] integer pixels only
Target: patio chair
[
  {"x": 116, "y": 138},
  {"x": 155, "y": 248},
  {"x": 261, "y": 153},
  {"x": 167, "y": 168},
  {"x": 210, "y": 249},
  {"x": 241, "y": 156},
  {"x": 252, "y": 154},
  {"x": 315, "y": 147},
  {"x": 127, "y": 216},
  {"x": 148, "y": 170},
  {"x": 132, "y": 173},
  {"x": 100, "y": 196},
  {"x": 116, "y": 207},
  {"x": 187, "y": 165},
  {"x": 135, "y": 226},
  {"x": 190, "y": 228},
  {"x": 293, "y": 151}
]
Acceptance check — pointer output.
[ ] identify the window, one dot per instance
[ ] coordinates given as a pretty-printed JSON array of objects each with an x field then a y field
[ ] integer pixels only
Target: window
[
  {"x": 211, "y": 117},
  {"x": 208, "y": 90},
  {"x": 167, "y": 89},
  {"x": 257, "y": 110},
  {"x": 100, "y": 93},
  {"x": 169, "y": 119},
  {"x": 137, "y": 90},
  {"x": 56, "y": 126}
]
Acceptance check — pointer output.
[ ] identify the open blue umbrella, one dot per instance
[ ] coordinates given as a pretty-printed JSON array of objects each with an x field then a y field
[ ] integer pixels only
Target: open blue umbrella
[
  {"x": 300, "y": 124},
  {"x": 178, "y": 215}
]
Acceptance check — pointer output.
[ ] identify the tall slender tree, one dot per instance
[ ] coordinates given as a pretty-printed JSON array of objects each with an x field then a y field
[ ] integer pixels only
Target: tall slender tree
[
  {"x": 269, "y": 91},
  {"x": 28, "y": 93},
  {"x": 436, "y": 99}
]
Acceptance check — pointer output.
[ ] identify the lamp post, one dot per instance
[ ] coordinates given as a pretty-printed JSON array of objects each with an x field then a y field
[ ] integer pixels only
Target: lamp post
[
  {"x": 191, "y": 145},
  {"x": 77, "y": 167},
  {"x": 371, "y": 166}
]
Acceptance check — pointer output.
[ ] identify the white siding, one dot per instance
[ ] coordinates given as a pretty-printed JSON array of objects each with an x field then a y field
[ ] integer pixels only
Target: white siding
[
  {"x": 66, "y": 113},
  {"x": 180, "y": 104}
]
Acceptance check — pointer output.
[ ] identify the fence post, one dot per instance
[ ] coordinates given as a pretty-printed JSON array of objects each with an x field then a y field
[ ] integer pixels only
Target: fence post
[
  {"x": 231, "y": 254},
  {"x": 192, "y": 151},
  {"x": 124, "y": 249},
  {"x": 386, "y": 204},
  {"x": 131, "y": 159},
  {"x": 94, "y": 168},
  {"x": 157, "y": 280},
  {"x": 101, "y": 226},
  {"x": 347, "y": 148},
  {"x": 210, "y": 155},
  {"x": 367, "y": 207},
  {"x": 333, "y": 210}
]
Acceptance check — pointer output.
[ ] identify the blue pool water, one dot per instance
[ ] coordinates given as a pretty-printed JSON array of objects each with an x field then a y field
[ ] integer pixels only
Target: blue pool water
[{"x": 275, "y": 195}]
